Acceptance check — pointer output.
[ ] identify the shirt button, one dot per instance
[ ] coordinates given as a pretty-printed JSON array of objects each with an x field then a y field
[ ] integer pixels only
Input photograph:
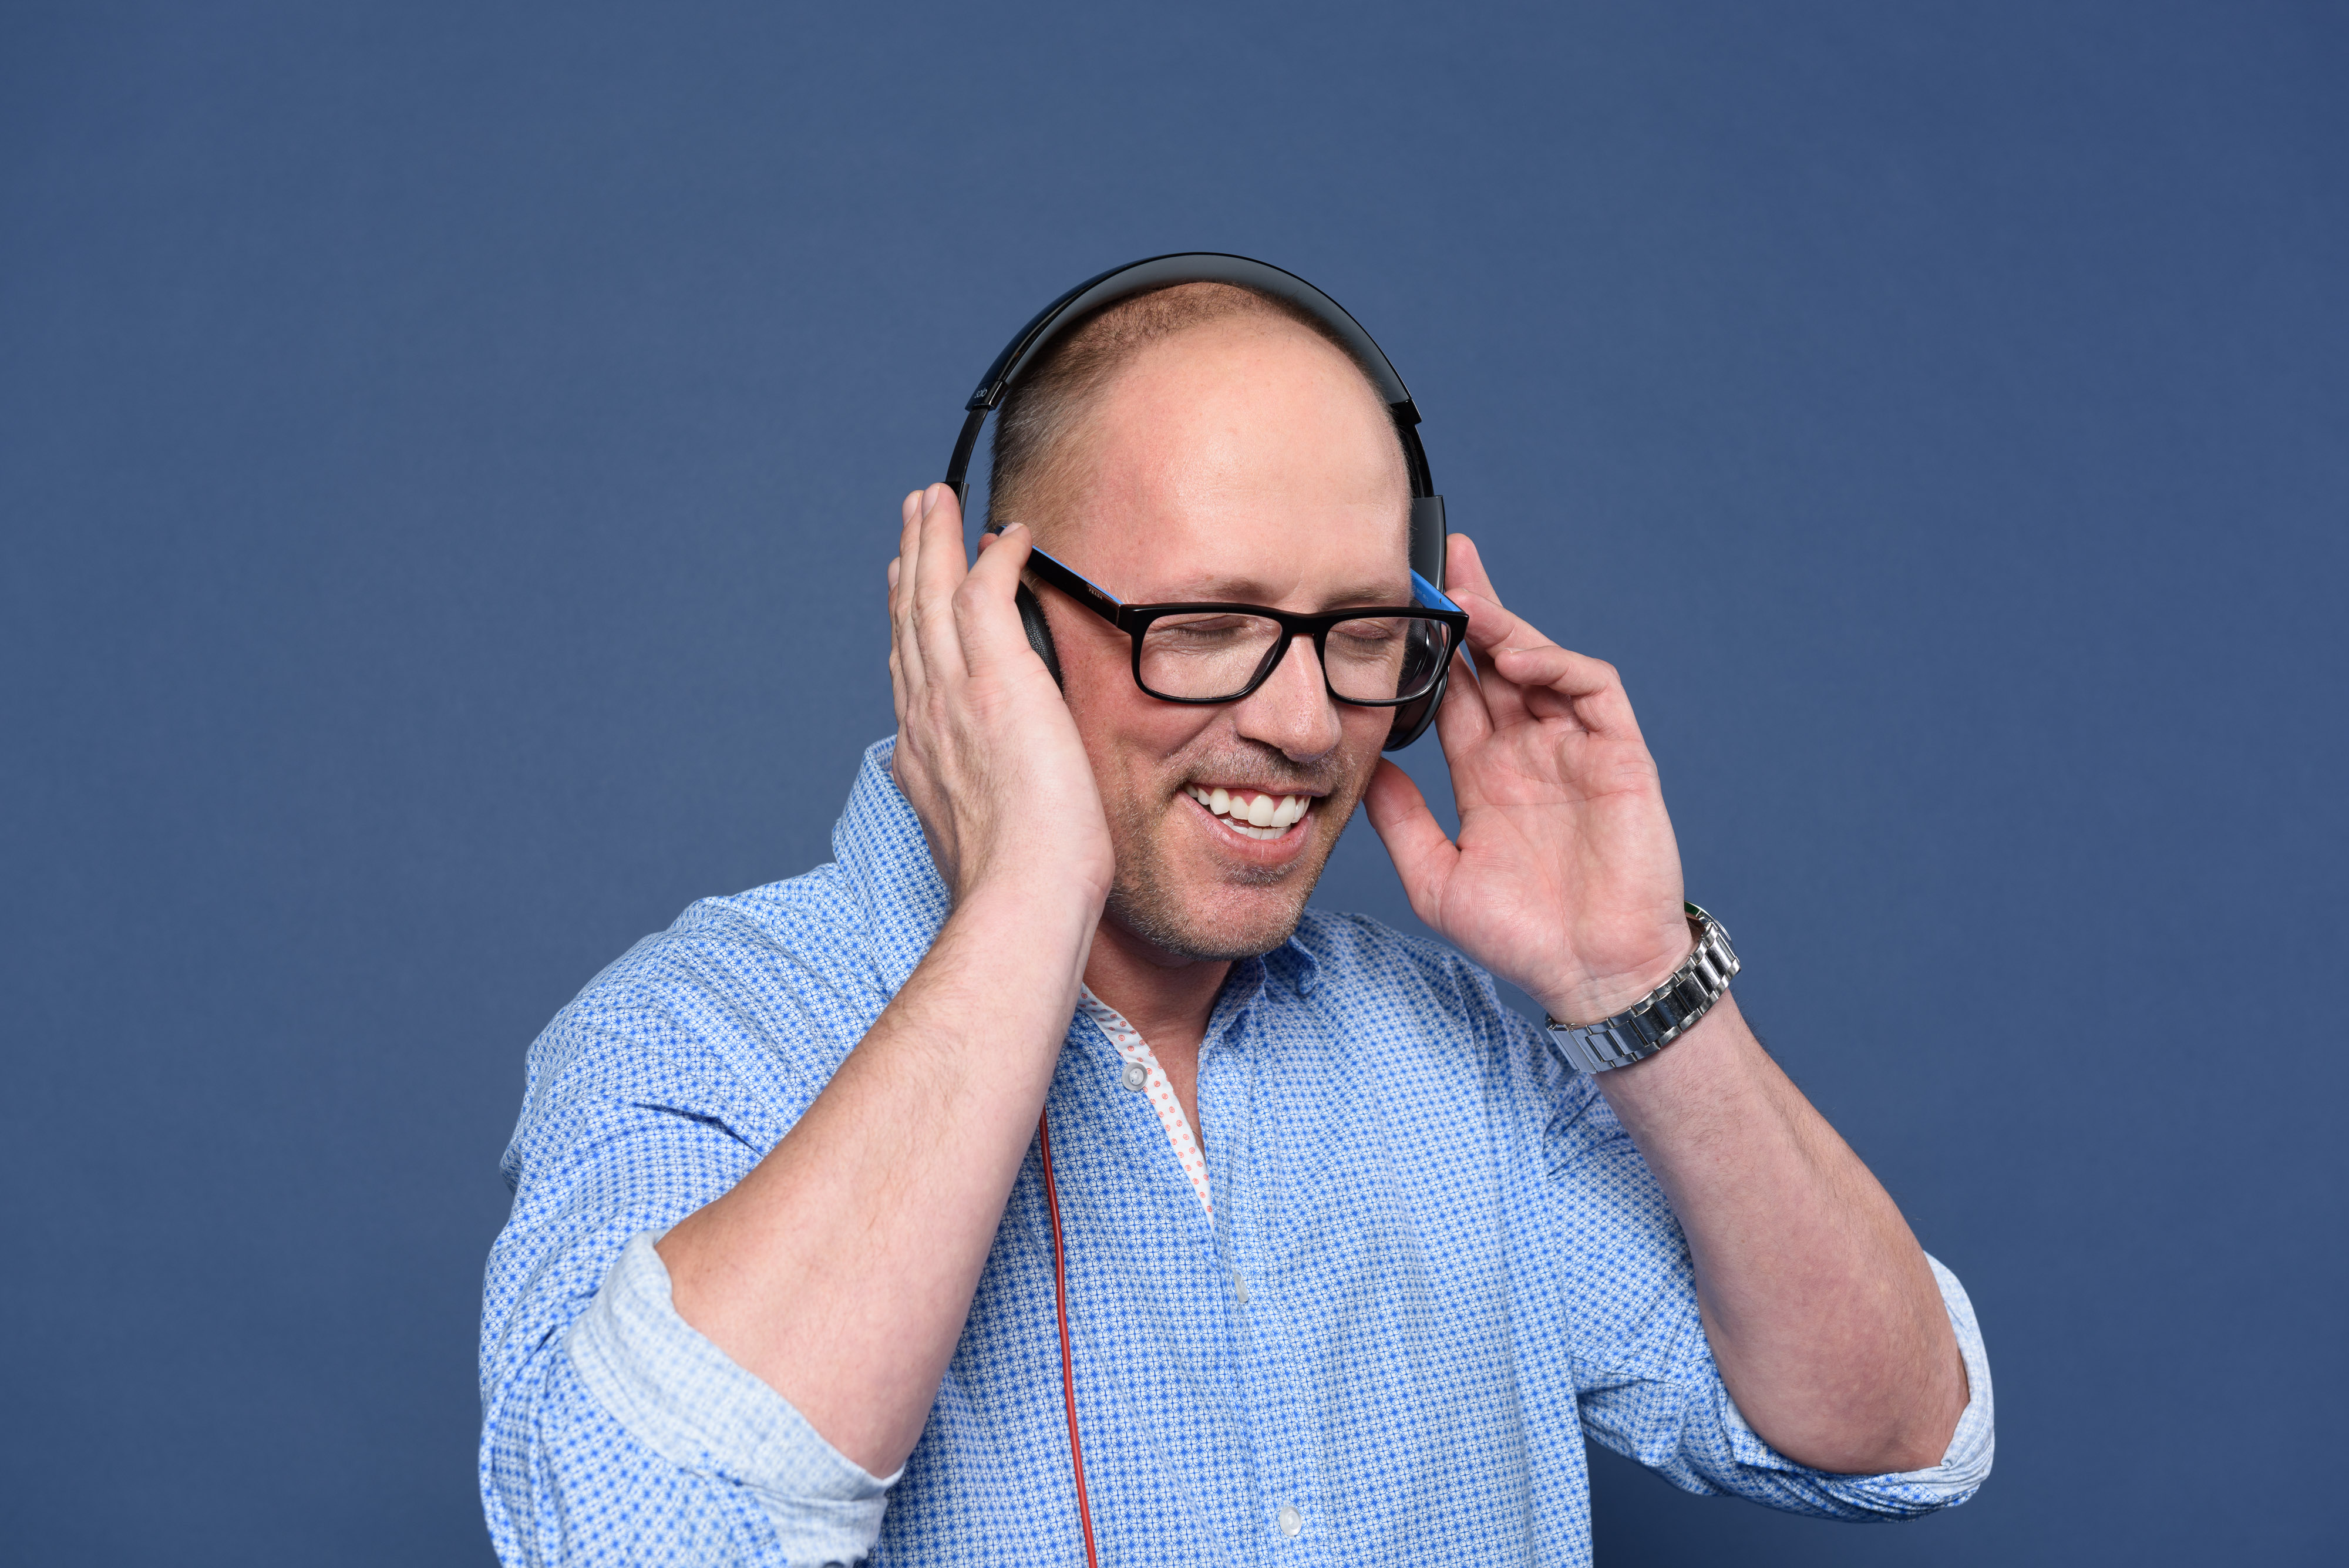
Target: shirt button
[
  {"x": 1240, "y": 1289},
  {"x": 1291, "y": 1521},
  {"x": 1135, "y": 1075}
]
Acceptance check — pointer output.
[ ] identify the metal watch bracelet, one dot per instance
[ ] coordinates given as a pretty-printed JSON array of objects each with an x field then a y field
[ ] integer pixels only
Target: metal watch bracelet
[{"x": 1660, "y": 1017}]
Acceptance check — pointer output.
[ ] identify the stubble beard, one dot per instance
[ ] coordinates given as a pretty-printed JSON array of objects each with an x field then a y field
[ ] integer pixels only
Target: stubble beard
[{"x": 1144, "y": 900}]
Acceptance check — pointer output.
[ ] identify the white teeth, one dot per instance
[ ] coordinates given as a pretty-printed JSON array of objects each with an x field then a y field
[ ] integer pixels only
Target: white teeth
[{"x": 1266, "y": 816}]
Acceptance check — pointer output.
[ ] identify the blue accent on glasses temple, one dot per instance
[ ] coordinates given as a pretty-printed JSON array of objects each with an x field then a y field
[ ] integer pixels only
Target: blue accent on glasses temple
[
  {"x": 1427, "y": 593},
  {"x": 1064, "y": 565}
]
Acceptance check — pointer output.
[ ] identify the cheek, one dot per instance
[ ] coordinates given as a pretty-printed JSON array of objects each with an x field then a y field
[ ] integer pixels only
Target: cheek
[
  {"x": 1367, "y": 729},
  {"x": 1129, "y": 738}
]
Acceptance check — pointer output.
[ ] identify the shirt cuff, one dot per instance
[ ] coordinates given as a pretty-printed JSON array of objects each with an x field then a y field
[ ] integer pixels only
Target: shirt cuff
[
  {"x": 1965, "y": 1463},
  {"x": 682, "y": 1397}
]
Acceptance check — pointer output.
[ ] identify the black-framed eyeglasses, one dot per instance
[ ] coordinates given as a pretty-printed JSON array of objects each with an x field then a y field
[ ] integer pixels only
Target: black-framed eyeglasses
[{"x": 1377, "y": 657}]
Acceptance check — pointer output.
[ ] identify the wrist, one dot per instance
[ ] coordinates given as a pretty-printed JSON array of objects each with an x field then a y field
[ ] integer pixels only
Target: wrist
[
  {"x": 998, "y": 985},
  {"x": 1662, "y": 1015},
  {"x": 1046, "y": 880},
  {"x": 1045, "y": 910},
  {"x": 1591, "y": 999}
]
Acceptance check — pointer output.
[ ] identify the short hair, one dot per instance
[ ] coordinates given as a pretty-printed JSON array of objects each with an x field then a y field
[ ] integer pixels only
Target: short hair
[{"x": 1032, "y": 429}]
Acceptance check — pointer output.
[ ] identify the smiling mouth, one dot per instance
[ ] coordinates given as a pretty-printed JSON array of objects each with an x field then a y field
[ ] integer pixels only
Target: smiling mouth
[{"x": 1253, "y": 813}]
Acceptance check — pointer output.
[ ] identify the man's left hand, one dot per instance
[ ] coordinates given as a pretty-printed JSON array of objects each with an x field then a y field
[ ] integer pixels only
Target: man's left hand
[{"x": 1566, "y": 880}]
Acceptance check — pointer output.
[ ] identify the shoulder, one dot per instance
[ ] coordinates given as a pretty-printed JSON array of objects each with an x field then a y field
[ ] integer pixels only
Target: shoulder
[
  {"x": 1391, "y": 993},
  {"x": 755, "y": 996},
  {"x": 1410, "y": 1003},
  {"x": 1362, "y": 960}
]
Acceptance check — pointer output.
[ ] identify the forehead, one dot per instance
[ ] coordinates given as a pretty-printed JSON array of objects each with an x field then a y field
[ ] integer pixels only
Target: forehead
[{"x": 1246, "y": 459}]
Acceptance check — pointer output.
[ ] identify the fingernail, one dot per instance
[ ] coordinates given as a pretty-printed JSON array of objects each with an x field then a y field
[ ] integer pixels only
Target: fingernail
[{"x": 930, "y": 499}]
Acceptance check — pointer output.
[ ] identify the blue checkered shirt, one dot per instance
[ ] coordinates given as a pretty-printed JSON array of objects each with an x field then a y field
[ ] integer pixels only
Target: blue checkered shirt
[{"x": 1435, "y": 1264}]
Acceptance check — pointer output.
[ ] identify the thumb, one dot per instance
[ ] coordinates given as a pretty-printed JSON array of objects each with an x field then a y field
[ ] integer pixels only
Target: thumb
[{"x": 1423, "y": 857}]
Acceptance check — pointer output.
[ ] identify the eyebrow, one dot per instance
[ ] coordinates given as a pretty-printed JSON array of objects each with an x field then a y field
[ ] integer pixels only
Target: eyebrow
[{"x": 1243, "y": 590}]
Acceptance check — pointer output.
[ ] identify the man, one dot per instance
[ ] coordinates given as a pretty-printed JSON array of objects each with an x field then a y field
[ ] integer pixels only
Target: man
[{"x": 1352, "y": 1262}]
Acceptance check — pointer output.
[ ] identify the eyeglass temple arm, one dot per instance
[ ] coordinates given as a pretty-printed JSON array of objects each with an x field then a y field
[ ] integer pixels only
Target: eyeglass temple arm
[
  {"x": 1090, "y": 595},
  {"x": 1427, "y": 593}
]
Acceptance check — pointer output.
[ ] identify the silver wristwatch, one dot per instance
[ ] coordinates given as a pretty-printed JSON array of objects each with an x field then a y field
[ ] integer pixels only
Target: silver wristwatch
[{"x": 1660, "y": 1017}]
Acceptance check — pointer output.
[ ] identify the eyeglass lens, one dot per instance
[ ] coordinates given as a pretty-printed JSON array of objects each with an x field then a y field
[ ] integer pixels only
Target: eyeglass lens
[{"x": 1214, "y": 657}]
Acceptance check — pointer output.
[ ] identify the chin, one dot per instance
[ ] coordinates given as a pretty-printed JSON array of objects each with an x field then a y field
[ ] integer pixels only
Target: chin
[
  {"x": 1186, "y": 890},
  {"x": 1215, "y": 927},
  {"x": 1213, "y": 948}
]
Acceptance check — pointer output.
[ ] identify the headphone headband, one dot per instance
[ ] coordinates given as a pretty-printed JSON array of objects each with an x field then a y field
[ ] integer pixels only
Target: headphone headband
[
  {"x": 1190, "y": 267},
  {"x": 1080, "y": 303}
]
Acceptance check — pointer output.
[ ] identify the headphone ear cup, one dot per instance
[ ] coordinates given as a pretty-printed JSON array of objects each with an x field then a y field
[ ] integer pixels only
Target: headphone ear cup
[
  {"x": 1039, "y": 631},
  {"x": 1411, "y": 720}
]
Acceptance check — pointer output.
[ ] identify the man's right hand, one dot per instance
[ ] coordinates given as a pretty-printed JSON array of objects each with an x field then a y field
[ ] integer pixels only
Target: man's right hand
[
  {"x": 986, "y": 752},
  {"x": 841, "y": 1268}
]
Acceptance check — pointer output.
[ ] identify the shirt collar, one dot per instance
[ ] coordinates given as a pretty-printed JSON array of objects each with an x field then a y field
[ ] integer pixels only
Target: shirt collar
[
  {"x": 1296, "y": 963},
  {"x": 878, "y": 842}
]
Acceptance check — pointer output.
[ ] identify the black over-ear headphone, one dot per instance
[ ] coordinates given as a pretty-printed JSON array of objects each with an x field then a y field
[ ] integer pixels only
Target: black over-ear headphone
[{"x": 1210, "y": 266}]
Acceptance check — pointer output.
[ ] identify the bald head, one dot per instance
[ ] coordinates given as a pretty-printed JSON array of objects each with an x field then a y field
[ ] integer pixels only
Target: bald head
[{"x": 1202, "y": 362}]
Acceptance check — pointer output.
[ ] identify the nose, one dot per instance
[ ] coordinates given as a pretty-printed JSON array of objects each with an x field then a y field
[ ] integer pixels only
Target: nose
[{"x": 1293, "y": 709}]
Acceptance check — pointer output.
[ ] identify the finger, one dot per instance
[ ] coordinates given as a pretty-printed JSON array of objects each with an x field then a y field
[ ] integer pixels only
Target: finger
[
  {"x": 1424, "y": 856},
  {"x": 904, "y": 654},
  {"x": 897, "y": 666},
  {"x": 901, "y": 577},
  {"x": 984, "y": 611},
  {"x": 1490, "y": 625},
  {"x": 1463, "y": 718},
  {"x": 938, "y": 571},
  {"x": 1558, "y": 683},
  {"x": 1464, "y": 567},
  {"x": 1502, "y": 700}
]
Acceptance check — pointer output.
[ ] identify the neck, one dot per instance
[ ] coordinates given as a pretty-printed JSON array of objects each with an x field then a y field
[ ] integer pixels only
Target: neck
[{"x": 1166, "y": 998}]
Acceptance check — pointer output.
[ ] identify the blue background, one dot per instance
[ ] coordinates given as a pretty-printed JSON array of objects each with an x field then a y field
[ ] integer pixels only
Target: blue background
[{"x": 447, "y": 456}]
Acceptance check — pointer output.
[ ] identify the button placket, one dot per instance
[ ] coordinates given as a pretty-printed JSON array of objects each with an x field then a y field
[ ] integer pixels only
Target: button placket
[
  {"x": 1278, "y": 1398},
  {"x": 1141, "y": 1075}
]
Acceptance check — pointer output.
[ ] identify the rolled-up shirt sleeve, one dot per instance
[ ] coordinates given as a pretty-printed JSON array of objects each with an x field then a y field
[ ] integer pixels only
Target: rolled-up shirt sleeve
[
  {"x": 1965, "y": 1463},
  {"x": 682, "y": 1397},
  {"x": 1648, "y": 1387},
  {"x": 612, "y": 1431}
]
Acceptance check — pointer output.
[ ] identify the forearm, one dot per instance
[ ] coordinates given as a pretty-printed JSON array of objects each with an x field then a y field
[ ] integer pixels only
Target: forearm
[
  {"x": 1821, "y": 1310},
  {"x": 841, "y": 1270},
  {"x": 1823, "y": 1315}
]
